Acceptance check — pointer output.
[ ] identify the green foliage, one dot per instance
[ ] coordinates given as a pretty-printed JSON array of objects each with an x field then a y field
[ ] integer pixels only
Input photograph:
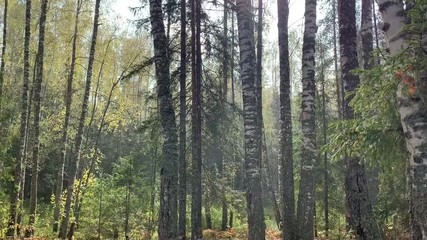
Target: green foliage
[{"x": 376, "y": 133}]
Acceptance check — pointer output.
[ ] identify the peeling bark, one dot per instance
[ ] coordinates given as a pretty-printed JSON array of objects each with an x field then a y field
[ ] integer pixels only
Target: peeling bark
[
  {"x": 412, "y": 109},
  {"x": 305, "y": 209},
  {"x": 252, "y": 143}
]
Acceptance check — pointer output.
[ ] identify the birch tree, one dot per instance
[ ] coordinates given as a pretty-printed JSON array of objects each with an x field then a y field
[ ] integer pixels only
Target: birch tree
[
  {"x": 252, "y": 130},
  {"x": 15, "y": 200},
  {"x": 64, "y": 137},
  {"x": 411, "y": 99},
  {"x": 305, "y": 209},
  {"x": 3, "y": 50},
  {"x": 37, "y": 115},
  {"x": 79, "y": 135}
]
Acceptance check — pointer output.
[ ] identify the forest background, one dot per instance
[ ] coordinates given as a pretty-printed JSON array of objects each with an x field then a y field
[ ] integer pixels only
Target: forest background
[{"x": 115, "y": 123}]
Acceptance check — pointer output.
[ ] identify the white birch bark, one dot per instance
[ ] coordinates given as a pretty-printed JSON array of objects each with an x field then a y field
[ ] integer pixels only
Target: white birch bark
[{"x": 412, "y": 109}]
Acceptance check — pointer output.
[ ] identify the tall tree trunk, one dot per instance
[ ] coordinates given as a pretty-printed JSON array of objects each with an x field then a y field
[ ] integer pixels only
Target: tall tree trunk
[
  {"x": 128, "y": 200},
  {"x": 232, "y": 59},
  {"x": 366, "y": 34},
  {"x": 225, "y": 50},
  {"x": 338, "y": 81},
  {"x": 305, "y": 209},
  {"x": 168, "y": 183},
  {"x": 182, "y": 192},
  {"x": 269, "y": 187},
  {"x": 360, "y": 213},
  {"x": 23, "y": 130},
  {"x": 37, "y": 116},
  {"x": 196, "y": 122},
  {"x": 153, "y": 192},
  {"x": 64, "y": 138},
  {"x": 252, "y": 143},
  {"x": 225, "y": 70},
  {"x": 79, "y": 135},
  {"x": 3, "y": 51},
  {"x": 286, "y": 149},
  {"x": 377, "y": 41},
  {"x": 325, "y": 141},
  {"x": 412, "y": 107},
  {"x": 208, "y": 216}
]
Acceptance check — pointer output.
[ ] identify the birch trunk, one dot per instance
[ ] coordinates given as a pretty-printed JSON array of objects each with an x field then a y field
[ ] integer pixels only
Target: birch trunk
[
  {"x": 286, "y": 148},
  {"x": 412, "y": 109},
  {"x": 305, "y": 209},
  {"x": 366, "y": 33},
  {"x": 252, "y": 143},
  {"x": 37, "y": 116},
  {"x": 3, "y": 50},
  {"x": 64, "y": 138},
  {"x": 79, "y": 135},
  {"x": 168, "y": 173},
  {"x": 14, "y": 202}
]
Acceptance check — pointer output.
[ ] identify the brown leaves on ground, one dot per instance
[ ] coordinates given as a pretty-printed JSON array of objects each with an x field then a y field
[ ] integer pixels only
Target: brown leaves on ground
[{"x": 270, "y": 234}]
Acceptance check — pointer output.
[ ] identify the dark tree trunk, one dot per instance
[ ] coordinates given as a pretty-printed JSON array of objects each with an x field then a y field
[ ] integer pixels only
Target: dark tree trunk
[
  {"x": 360, "y": 213},
  {"x": 208, "y": 215},
  {"x": 286, "y": 149},
  {"x": 168, "y": 173},
  {"x": 37, "y": 116},
  {"x": 268, "y": 185},
  {"x": 23, "y": 130},
  {"x": 3, "y": 51},
  {"x": 64, "y": 138},
  {"x": 225, "y": 70},
  {"x": 306, "y": 196},
  {"x": 196, "y": 122},
  {"x": 252, "y": 129},
  {"x": 79, "y": 135},
  {"x": 182, "y": 192},
  {"x": 325, "y": 141},
  {"x": 225, "y": 50}
]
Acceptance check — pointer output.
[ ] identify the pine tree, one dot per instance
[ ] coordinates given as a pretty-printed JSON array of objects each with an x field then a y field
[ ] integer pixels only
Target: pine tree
[
  {"x": 182, "y": 191},
  {"x": 168, "y": 190},
  {"x": 196, "y": 122},
  {"x": 286, "y": 146}
]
